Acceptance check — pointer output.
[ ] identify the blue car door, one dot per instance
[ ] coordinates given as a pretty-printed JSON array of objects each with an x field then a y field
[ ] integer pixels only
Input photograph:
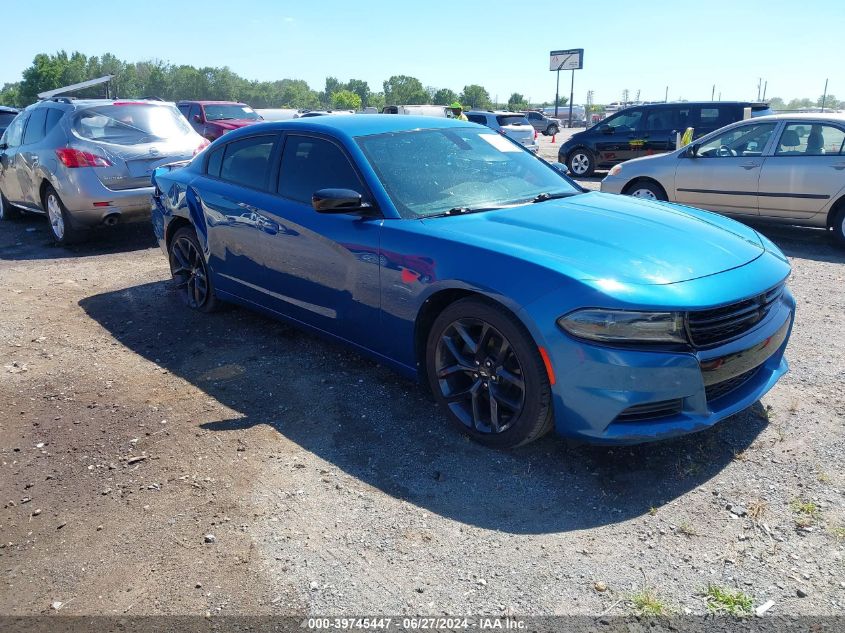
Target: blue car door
[
  {"x": 234, "y": 194},
  {"x": 322, "y": 269}
]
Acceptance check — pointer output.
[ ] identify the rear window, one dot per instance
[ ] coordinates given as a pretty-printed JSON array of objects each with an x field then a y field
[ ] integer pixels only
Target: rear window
[
  {"x": 131, "y": 124},
  {"x": 520, "y": 119},
  {"x": 477, "y": 118}
]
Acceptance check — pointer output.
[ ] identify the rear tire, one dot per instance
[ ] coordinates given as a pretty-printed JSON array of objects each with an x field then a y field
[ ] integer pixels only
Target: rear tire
[
  {"x": 7, "y": 211},
  {"x": 190, "y": 272},
  {"x": 551, "y": 130},
  {"x": 838, "y": 225},
  {"x": 486, "y": 371},
  {"x": 581, "y": 163},
  {"x": 61, "y": 228}
]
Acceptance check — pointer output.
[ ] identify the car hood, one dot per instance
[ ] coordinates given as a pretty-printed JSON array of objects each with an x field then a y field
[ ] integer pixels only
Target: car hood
[
  {"x": 595, "y": 236},
  {"x": 234, "y": 124}
]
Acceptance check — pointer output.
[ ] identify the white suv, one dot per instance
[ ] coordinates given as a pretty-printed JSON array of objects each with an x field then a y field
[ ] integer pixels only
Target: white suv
[{"x": 514, "y": 125}]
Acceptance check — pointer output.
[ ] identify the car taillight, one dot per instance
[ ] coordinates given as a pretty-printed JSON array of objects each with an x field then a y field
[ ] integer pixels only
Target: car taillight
[
  {"x": 205, "y": 143},
  {"x": 74, "y": 158}
]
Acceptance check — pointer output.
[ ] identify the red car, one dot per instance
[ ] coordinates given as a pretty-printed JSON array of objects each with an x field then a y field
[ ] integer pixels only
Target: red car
[{"x": 212, "y": 119}]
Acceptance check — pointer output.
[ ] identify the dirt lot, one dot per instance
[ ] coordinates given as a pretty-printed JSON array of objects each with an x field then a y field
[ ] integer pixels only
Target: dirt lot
[{"x": 156, "y": 461}]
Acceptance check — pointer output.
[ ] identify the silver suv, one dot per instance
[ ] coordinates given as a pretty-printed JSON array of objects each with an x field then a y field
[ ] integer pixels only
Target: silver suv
[
  {"x": 542, "y": 123},
  {"x": 514, "y": 125},
  {"x": 87, "y": 163}
]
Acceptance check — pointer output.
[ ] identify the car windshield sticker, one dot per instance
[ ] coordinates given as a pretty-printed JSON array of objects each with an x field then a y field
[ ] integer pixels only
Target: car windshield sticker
[{"x": 500, "y": 143}]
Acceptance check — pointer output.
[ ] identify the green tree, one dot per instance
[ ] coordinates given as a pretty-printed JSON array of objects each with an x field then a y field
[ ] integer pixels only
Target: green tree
[
  {"x": 360, "y": 88},
  {"x": 797, "y": 104},
  {"x": 376, "y": 100},
  {"x": 516, "y": 102},
  {"x": 404, "y": 90},
  {"x": 830, "y": 101},
  {"x": 476, "y": 97},
  {"x": 346, "y": 100},
  {"x": 444, "y": 96},
  {"x": 776, "y": 103},
  {"x": 10, "y": 94}
]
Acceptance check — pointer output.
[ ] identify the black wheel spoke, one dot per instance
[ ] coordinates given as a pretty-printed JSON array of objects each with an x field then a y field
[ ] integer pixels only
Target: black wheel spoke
[
  {"x": 484, "y": 340},
  {"x": 465, "y": 394},
  {"x": 454, "y": 369},
  {"x": 513, "y": 405},
  {"x": 455, "y": 352},
  {"x": 506, "y": 376},
  {"x": 494, "y": 412},
  {"x": 476, "y": 407},
  {"x": 468, "y": 340}
]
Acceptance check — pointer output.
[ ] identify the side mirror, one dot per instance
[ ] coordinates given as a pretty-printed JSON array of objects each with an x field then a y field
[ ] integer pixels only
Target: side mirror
[
  {"x": 561, "y": 168},
  {"x": 197, "y": 118},
  {"x": 692, "y": 152},
  {"x": 606, "y": 129},
  {"x": 4, "y": 146},
  {"x": 338, "y": 201}
]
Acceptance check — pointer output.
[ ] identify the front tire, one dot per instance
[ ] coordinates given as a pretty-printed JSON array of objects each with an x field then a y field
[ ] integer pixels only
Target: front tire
[
  {"x": 485, "y": 370},
  {"x": 646, "y": 190},
  {"x": 581, "y": 163},
  {"x": 61, "y": 228},
  {"x": 7, "y": 211},
  {"x": 552, "y": 130},
  {"x": 190, "y": 272}
]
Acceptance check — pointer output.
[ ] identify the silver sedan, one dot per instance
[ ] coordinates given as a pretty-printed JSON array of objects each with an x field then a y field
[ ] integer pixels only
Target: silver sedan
[{"x": 787, "y": 168}]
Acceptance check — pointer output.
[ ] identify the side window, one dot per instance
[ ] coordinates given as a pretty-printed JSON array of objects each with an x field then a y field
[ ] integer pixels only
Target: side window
[
  {"x": 54, "y": 115},
  {"x": 14, "y": 134},
  {"x": 661, "y": 119},
  {"x": 534, "y": 116},
  {"x": 35, "y": 128},
  {"x": 744, "y": 140},
  {"x": 247, "y": 162},
  {"x": 716, "y": 117},
  {"x": 477, "y": 118},
  {"x": 310, "y": 164},
  {"x": 625, "y": 121},
  {"x": 195, "y": 109},
  {"x": 184, "y": 109},
  {"x": 215, "y": 160},
  {"x": 810, "y": 139}
]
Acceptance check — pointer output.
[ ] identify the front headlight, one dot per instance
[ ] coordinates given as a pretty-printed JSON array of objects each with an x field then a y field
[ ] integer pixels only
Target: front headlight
[
  {"x": 615, "y": 170},
  {"x": 623, "y": 326}
]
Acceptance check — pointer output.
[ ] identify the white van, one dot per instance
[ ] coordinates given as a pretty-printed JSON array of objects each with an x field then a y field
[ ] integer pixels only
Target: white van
[
  {"x": 277, "y": 114},
  {"x": 417, "y": 110}
]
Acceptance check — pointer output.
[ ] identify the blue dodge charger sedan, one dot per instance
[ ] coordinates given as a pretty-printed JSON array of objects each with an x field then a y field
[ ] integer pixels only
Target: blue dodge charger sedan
[{"x": 453, "y": 255}]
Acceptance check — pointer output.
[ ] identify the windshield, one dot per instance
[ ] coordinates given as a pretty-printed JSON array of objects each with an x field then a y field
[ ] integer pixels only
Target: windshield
[
  {"x": 432, "y": 172},
  {"x": 224, "y": 111},
  {"x": 6, "y": 118},
  {"x": 130, "y": 124}
]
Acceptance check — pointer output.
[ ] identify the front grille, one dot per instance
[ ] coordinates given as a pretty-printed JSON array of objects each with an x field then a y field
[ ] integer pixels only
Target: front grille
[
  {"x": 650, "y": 411},
  {"x": 718, "y": 325},
  {"x": 719, "y": 389}
]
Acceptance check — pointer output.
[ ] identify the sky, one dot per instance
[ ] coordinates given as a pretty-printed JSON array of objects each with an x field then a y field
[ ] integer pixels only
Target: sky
[{"x": 503, "y": 45}]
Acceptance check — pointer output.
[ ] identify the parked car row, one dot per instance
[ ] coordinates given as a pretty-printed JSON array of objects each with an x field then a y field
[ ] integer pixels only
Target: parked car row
[
  {"x": 88, "y": 162},
  {"x": 647, "y": 129},
  {"x": 785, "y": 168}
]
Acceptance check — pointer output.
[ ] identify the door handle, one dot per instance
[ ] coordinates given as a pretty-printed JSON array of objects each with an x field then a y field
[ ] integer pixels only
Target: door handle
[
  {"x": 749, "y": 165},
  {"x": 839, "y": 166}
]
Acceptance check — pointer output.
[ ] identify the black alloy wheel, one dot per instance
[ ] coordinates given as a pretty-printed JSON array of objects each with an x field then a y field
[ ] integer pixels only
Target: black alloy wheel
[
  {"x": 486, "y": 371},
  {"x": 190, "y": 272}
]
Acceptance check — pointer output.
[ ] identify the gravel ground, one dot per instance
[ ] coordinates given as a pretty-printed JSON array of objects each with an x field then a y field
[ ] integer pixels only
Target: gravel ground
[{"x": 155, "y": 461}]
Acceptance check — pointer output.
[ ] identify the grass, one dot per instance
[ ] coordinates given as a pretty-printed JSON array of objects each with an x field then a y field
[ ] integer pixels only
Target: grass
[
  {"x": 756, "y": 509},
  {"x": 646, "y": 603},
  {"x": 723, "y": 600},
  {"x": 652, "y": 511},
  {"x": 807, "y": 512},
  {"x": 838, "y": 532},
  {"x": 686, "y": 529}
]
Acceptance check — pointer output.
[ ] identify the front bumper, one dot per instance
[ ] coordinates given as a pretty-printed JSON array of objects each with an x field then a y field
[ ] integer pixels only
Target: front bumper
[
  {"x": 598, "y": 387},
  {"x": 612, "y": 184}
]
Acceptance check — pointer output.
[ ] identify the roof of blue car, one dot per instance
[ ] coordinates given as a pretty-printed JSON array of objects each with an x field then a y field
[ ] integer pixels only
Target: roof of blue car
[{"x": 366, "y": 124}]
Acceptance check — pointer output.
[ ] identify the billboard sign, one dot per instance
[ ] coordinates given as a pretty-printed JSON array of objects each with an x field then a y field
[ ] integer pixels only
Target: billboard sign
[{"x": 572, "y": 59}]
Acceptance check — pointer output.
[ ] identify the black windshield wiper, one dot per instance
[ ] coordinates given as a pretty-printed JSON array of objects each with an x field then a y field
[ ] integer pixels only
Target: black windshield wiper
[
  {"x": 462, "y": 211},
  {"x": 542, "y": 197}
]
